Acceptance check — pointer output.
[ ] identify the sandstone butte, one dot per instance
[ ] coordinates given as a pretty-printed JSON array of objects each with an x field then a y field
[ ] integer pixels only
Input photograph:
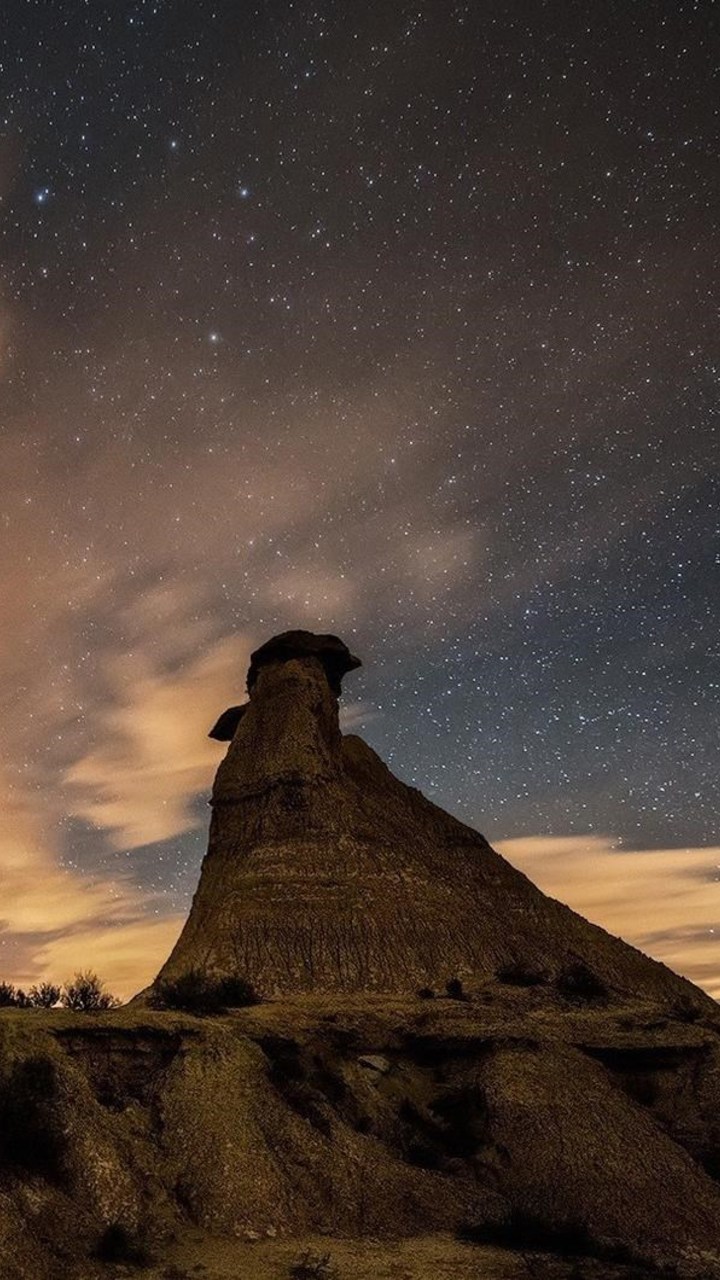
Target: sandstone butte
[{"x": 556, "y": 1115}]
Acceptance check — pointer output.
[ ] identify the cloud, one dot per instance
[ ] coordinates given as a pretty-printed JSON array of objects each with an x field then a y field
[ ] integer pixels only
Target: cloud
[
  {"x": 153, "y": 755},
  {"x": 664, "y": 901},
  {"x": 39, "y": 895},
  {"x": 54, "y": 920},
  {"x": 127, "y": 955}
]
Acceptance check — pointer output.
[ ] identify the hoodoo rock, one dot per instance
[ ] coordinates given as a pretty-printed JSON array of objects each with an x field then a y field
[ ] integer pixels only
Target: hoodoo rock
[
  {"x": 326, "y": 873},
  {"x": 552, "y": 1114}
]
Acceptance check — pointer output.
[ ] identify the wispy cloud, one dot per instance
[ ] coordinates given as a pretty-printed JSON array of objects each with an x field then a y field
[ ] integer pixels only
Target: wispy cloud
[
  {"x": 664, "y": 901},
  {"x": 153, "y": 755},
  {"x": 55, "y": 920}
]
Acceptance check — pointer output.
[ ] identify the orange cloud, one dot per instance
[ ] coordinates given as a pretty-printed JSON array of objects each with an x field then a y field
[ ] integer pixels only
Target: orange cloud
[
  {"x": 154, "y": 756},
  {"x": 54, "y": 920},
  {"x": 127, "y": 955},
  {"x": 664, "y": 901}
]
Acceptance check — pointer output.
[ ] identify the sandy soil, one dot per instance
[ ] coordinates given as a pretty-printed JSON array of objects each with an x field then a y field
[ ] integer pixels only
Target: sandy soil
[{"x": 439, "y": 1257}]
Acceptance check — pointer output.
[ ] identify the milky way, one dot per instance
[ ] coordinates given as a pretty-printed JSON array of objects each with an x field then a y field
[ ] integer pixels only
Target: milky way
[{"x": 397, "y": 321}]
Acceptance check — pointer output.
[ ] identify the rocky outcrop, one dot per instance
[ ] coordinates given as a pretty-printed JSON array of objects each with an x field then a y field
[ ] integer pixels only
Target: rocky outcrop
[
  {"x": 442, "y": 1048},
  {"x": 326, "y": 873},
  {"x": 511, "y": 1119}
]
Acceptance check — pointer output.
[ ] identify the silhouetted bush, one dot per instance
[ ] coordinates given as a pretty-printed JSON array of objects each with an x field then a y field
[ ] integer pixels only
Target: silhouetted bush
[
  {"x": 520, "y": 973},
  {"x": 22, "y": 999},
  {"x": 118, "y": 1244},
  {"x": 237, "y": 992},
  {"x": 313, "y": 1266},
  {"x": 8, "y": 998},
  {"x": 46, "y": 996},
  {"x": 426, "y": 993},
  {"x": 578, "y": 982},
  {"x": 198, "y": 992},
  {"x": 86, "y": 994},
  {"x": 454, "y": 989}
]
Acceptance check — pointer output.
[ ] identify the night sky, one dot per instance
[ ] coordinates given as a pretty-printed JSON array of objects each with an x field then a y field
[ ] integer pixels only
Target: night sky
[{"x": 398, "y": 321}]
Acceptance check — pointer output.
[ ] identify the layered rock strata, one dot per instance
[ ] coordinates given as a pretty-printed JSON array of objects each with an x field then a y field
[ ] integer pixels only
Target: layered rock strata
[{"x": 326, "y": 873}]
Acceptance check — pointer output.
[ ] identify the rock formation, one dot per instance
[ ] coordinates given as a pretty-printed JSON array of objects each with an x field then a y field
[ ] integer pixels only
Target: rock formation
[
  {"x": 326, "y": 873},
  {"x": 554, "y": 1114}
]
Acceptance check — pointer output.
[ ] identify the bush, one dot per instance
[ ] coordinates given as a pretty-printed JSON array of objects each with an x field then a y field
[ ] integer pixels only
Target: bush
[
  {"x": 46, "y": 996},
  {"x": 8, "y": 998},
  {"x": 521, "y": 973},
  {"x": 86, "y": 994},
  {"x": 198, "y": 992},
  {"x": 426, "y": 993},
  {"x": 577, "y": 982},
  {"x": 237, "y": 992},
  {"x": 118, "y": 1244},
  {"x": 454, "y": 989},
  {"x": 313, "y": 1266}
]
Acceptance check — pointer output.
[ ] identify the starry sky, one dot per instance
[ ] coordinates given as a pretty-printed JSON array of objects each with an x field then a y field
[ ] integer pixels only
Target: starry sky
[{"x": 392, "y": 320}]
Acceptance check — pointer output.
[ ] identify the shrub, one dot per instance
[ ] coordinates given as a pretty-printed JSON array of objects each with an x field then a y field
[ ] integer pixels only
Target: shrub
[
  {"x": 578, "y": 982},
  {"x": 521, "y": 973},
  {"x": 426, "y": 993},
  {"x": 313, "y": 1266},
  {"x": 198, "y": 992},
  {"x": 86, "y": 994},
  {"x": 454, "y": 989},
  {"x": 7, "y": 995},
  {"x": 46, "y": 996},
  {"x": 22, "y": 999},
  {"x": 118, "y": 1244},
  {"x": 237, "y": 992}
]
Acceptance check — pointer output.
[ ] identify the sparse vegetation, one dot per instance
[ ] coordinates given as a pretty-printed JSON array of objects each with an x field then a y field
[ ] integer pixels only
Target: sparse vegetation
[
  {"x": 426, "y": 993},
  {"x": 578, "y": 983},
  {"x": 198, "y": 992},
  {"x": 520, "y": 973},
  {"x": 313, "y": 1266},
  {"x": 86, "y": 993},
  {"x": 454, "y": 989},
  {"x": 118, "y": 1244},
  {"x": 45, "y": 996},
  {"x": 13, "y": 997}
]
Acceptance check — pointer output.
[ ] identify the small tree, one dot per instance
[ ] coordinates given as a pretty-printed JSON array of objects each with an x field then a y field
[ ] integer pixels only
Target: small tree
[
  {"x": 7, "y": 995},
  {"x": 86, "y": 994},
  {"x": 45, "y": 996}
]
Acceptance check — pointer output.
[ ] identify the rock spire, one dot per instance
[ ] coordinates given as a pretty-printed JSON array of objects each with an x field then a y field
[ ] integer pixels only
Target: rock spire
[{"x": 326, "y": 873}]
